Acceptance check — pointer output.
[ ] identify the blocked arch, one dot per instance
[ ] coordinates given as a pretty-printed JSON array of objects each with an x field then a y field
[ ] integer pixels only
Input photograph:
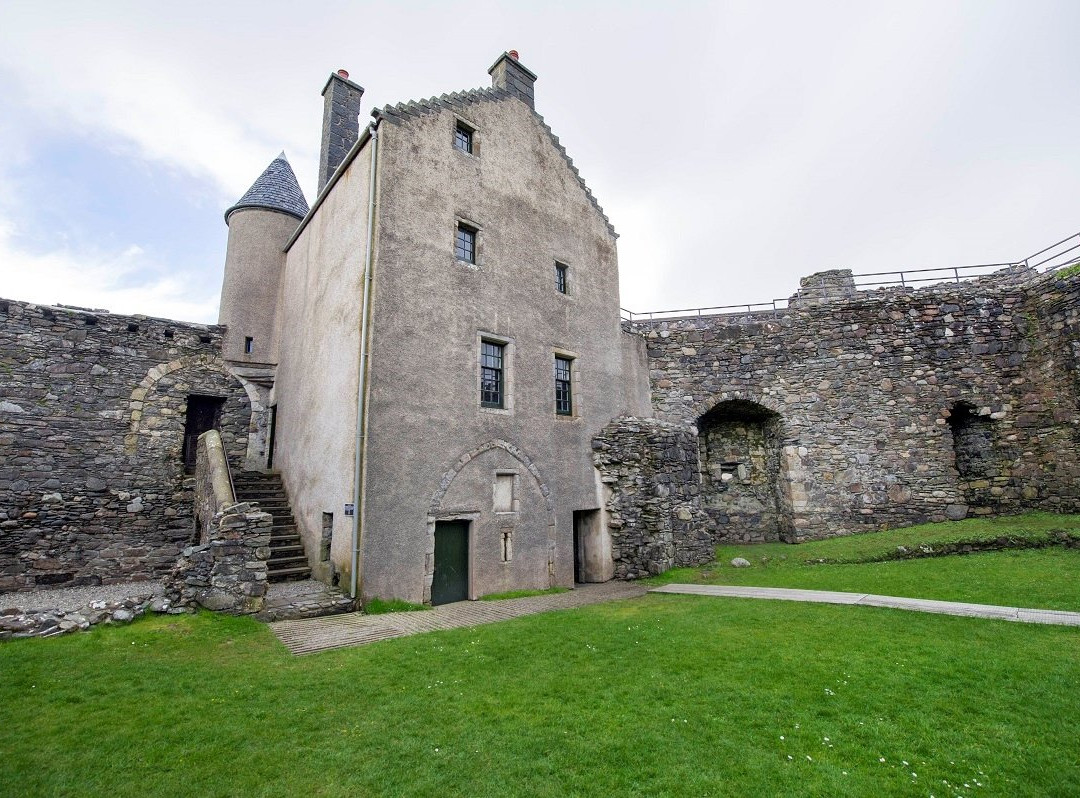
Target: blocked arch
[
  {"x": 708, "y": 405},
  {"x": 137, "y": 400},
  {"x": 435, "y": 506}
]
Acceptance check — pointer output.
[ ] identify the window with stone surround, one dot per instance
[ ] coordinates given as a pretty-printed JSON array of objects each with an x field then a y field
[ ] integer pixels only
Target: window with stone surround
[
  {"x": 492, "y": 382},
  {"x": 464, "y": 138},
  {"x": 465, "y": 243},
  {"x": 564, "y": 402},
  {"x": 561, "y": 270}
]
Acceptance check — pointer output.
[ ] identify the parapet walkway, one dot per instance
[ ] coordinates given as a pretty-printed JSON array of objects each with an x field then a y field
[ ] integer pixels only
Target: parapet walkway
[
  {"x": 1058, "y": 617},
  {"x": 354, "y": 629}
]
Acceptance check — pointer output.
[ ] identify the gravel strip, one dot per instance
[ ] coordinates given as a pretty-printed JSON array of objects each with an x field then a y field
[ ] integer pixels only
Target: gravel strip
[{"x": 68, "y": 599}]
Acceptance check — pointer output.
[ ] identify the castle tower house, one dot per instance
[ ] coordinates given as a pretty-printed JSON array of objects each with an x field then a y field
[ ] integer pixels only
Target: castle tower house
[{"x": 260, "y": 224}]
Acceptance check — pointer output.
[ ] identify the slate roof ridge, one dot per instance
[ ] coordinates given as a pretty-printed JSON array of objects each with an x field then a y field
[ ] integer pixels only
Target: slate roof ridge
[
  {"x": 276, "y": 189},
  {"x": 458, "y": 100}
]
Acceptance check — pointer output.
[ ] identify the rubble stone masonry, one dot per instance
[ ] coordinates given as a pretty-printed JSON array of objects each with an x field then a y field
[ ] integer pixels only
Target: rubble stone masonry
[
  {"x": 881, "y": 409},
  {"x": 92, "y": 418}
]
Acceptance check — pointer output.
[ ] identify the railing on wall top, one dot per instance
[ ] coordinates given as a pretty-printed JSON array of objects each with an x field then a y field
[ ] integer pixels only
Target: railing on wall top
[{"x": 1060, "y": 255}]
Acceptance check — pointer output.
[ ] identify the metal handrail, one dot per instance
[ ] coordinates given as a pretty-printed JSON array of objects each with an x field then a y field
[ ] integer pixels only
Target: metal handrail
[{"x": 902, "y": 279}]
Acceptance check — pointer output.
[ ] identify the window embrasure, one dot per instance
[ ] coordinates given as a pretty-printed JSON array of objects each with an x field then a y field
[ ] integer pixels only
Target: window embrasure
[
  {"x": 561, "y": 277},
  {"x": 465, "y": 243},
  {"x": 464, "y": 137},
  {"x": 564, "y": 401},
  {"x": 492, "y": 374}
]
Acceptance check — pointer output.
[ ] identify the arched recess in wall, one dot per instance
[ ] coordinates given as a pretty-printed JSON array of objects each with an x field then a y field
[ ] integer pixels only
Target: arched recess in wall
[
  {"x": 437, "y": 512},
  {"x": 704, "y": 407},
  {"x": 154, "y": 415},
  {"x": 740, "y": 455}
]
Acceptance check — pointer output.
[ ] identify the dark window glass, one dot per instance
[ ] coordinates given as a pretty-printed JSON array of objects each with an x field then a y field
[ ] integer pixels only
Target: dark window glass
[
  {"x": 564, "y": 404},
  {"x": 465, "y": 244},
  {"x": 249, "y": 345},
  {"x": 491, "y": 374},
  {"x": 463, "y": 138},
  {"x": 560, "y": 277}
]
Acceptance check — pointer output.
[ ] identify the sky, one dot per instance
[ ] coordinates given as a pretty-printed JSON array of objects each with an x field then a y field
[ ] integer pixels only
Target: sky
[{"x": 735, "y": 146}]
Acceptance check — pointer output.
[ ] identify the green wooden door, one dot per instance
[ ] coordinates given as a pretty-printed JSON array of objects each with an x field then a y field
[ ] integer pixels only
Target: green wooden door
[{"x": 451, "y": 580}]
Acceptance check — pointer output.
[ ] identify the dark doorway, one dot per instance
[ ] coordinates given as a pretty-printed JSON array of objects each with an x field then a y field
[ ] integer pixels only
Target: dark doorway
[
  {"x": 973, "y": 443},
  {"x": 451, "y": 579},
  {"x": 273, "y": 437},
  {"x": 589, "y": 549},
  {"x": 203, "y": 414},
  {"x": 578, "y": 553}
]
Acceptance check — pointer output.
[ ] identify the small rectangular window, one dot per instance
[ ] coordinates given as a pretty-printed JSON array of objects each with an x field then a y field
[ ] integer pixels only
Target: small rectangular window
[
  {"x": 491, "y": 374},
  {"x": 560, "y": 277},
  {"x": 249, "y": 345},
  {"x": 564, "y": 403},
  {"x": 463, "y": 137},
  {"x": 465, "y": 243}
]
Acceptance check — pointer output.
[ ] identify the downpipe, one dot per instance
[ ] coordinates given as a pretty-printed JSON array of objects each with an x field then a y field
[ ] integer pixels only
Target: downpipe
[{"x": 361, "y": 393}]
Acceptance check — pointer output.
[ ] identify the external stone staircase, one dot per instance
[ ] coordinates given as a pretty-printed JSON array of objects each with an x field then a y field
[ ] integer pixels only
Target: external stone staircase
[{"x": 287, "y": 560}]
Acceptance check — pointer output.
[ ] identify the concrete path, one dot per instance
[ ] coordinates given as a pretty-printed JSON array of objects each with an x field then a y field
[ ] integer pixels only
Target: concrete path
[
  {"x": 1059, "y": 617},
  {"x": 354, "y": 629}
]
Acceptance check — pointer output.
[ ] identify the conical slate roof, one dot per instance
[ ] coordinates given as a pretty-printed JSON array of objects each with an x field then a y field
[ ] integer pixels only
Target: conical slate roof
[{"x": 275, "y": 190}]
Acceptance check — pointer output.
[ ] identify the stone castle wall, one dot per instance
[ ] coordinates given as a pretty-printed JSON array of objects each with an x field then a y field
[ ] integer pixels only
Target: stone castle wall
[
  {"x": 649, "y": 471},
  {"x": 891, "y": 407},
  {"x": 92, "y": 416}
]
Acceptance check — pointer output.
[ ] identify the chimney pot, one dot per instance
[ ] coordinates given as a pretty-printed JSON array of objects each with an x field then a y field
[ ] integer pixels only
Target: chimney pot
[
  {"x": 513, "y": 54},
  {"x": 344, "y": 73}
]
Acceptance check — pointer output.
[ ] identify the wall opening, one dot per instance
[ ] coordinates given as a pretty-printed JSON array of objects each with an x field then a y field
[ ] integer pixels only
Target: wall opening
[
  {"x": 739, "y": 451},
  {"x": 592, "y": 550},
  {"x": 327, "y": 536},
  {"x": 203, "y": 415},
  {"x": 273, "y": 437},
  {"x": 973, "y": 444}
]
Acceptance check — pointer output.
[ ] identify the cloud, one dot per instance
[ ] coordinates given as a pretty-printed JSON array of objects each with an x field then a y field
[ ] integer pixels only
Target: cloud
[{"x": 121, "y": 281}]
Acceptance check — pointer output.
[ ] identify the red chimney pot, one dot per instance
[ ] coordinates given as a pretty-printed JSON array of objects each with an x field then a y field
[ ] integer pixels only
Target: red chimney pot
[
  {"x": 513, "y": 54},
  {"x": 343, "y": 73}
]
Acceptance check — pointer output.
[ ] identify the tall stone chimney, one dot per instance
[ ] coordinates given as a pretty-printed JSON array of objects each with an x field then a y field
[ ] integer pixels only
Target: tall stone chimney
[
  {"x": 340, "y": 123},
  {"x": 507, "y": 73}
]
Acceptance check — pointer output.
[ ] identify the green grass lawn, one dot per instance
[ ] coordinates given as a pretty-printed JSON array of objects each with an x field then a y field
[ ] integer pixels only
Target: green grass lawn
[
  {"x": 666, "y": 695},
  {"x": 1047, "y": 578}
]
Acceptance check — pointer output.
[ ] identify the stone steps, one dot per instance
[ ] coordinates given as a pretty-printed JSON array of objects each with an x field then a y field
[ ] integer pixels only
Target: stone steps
[{"x": 287, "y": 560}]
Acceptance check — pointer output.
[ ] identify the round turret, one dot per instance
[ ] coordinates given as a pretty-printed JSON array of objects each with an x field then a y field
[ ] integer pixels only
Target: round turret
[{"x": 260, "y": 225}]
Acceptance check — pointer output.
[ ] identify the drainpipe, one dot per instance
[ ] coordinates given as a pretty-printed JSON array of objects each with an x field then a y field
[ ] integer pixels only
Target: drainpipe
[{"x": 361, "y": 392}]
